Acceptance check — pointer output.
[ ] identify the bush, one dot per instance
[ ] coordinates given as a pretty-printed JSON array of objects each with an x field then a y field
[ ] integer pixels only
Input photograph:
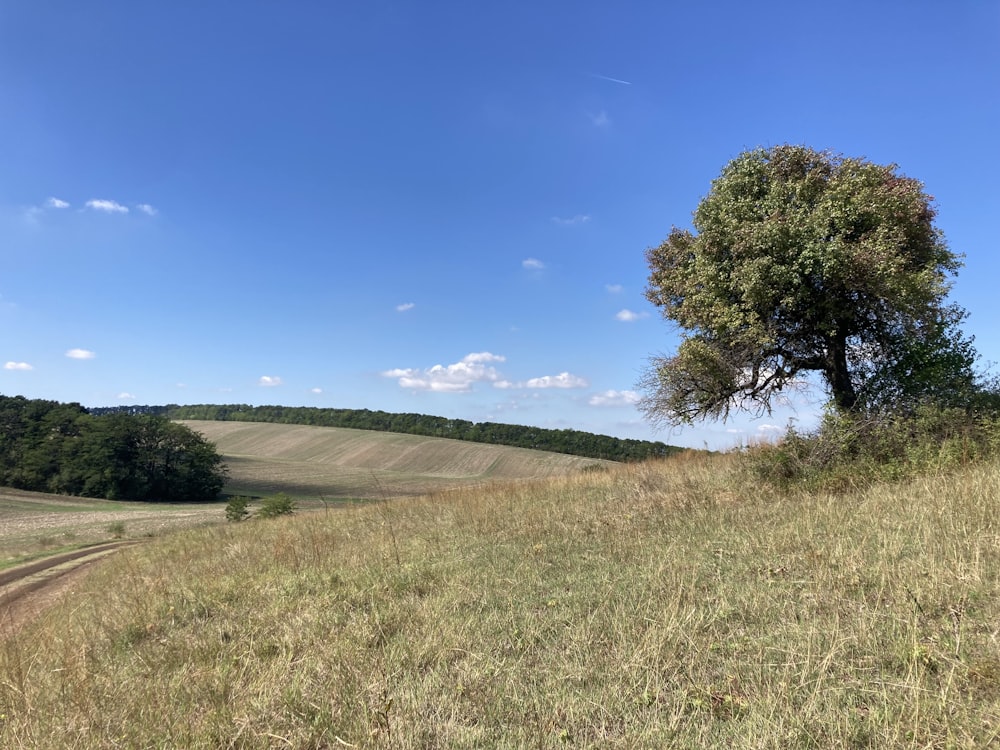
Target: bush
[
  {"x": 850, "y": 451},
  {"x": 237, "y": 508},
  {"x": 276, "y": 505}
]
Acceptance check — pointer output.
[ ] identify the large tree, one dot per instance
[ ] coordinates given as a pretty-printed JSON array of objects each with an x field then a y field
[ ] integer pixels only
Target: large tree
[{"x": 806, "y": 262}]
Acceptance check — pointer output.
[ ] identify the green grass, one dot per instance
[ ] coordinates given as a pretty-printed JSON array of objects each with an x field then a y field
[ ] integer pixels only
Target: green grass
[{"x": 660, "y": 605}]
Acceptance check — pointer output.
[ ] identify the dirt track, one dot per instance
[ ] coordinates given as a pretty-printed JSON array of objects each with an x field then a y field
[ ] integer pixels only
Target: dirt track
[{"x": 28, "y": 589}]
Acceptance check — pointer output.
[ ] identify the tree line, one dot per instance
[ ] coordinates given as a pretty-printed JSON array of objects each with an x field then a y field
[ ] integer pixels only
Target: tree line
[
  {"x": 572, "y": 442},
  {"x": 49, "y": 446}
]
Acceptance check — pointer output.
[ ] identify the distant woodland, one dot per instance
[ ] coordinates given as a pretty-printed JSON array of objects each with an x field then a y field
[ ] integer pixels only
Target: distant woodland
[
  {"x": 49, "y": 446},
  {"x": 573, "y": 442}
]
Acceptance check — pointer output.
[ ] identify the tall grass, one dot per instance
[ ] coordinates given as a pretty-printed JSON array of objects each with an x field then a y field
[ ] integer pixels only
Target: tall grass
[{"x": 668, "y": 604}]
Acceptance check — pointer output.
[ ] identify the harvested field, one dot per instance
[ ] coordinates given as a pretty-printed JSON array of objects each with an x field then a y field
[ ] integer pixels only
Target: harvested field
[{"x": 335, "y": 462}]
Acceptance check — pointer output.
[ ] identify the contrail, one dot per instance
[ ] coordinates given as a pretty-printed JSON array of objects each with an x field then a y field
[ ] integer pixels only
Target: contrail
[{"x": 613, "y": 80}]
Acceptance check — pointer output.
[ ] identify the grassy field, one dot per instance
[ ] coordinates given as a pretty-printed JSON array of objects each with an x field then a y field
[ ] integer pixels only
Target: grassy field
[
  {"x": 317, "y": 465},
  {"x": 335, "y": 462},
  {"x": 668, "y": 604},
  {"x": 33, "y": 524}
]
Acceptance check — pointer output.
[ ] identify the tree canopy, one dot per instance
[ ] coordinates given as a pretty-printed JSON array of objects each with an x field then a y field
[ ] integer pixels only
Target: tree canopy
[
  {"x": 52, "y": 447},
  {"x": 806, "y": 262}
]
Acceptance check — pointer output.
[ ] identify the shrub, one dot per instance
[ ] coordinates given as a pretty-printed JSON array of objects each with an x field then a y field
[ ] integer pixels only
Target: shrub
[
  {"x": 849, "y": 451},
  {"x": 237, "y": 508},
  {"x": 276, "y": 505}
]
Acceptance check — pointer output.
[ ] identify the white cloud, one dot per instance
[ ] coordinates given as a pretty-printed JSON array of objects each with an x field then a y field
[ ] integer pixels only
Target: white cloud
[
  {"x": 532, "y": 264},
  {"x": 269, "y": 381},
  {"x": 627, "y": 316},
  {"x": 574, "y": 221},
  {"x": 454, "y": 378},
  {"x": 111, "y": 207},
  {"x": 562, "y": 380},
  {"x": 17, "y": 366},
  {"x": 125, "y": 396},
  {"x": 614, "y": 288},
  {"x": 484, "y": 357},
  {"x": 406, "y": 306},
  {"x": 770, "y": 428},
  {"x": 600, "y": 120},
  {"x": 147, "y": 209},
  {"x": 80, "y": 354},
  {"x": 316, "y": 390},
  {"x": 614, "y": 398},
  {"x": 56, "y": 203}
]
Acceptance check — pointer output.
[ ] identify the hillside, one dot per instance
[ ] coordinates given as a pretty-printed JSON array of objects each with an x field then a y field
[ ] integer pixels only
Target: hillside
[
  {"x": 336, "y": 462},
  {"x": 573, "y": 442},
  {"x": 669, "y": 604}
]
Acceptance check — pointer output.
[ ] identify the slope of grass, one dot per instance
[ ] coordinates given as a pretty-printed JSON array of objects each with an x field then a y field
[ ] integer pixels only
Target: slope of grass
[
  {"x": 657, "y": 605},
  {"x": 339, "y": 462}
]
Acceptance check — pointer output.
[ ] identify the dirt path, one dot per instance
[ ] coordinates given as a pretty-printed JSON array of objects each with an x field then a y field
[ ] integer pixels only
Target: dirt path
[{"x": 28, "y": 589}]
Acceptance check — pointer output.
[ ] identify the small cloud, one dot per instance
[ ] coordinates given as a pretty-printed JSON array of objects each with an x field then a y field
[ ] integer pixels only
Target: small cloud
[
  {"x": 627, "y": 316},
  {"x": 532, "y": 264},
  {"x": 614, "y": 398},
  {"x": 484, "y": 357},
  {"x": 17, "y": 366},
  {"x": 769, "y": 428},
  {"x": 614, "y": 288},
  {"x": 562, "y": 380},
  {"x": 125, "y": 396},
  {"x": 56, "y": 203},
  {"x": 80, "y": 354},
  {"x": 269, "y": 381},
  {"x": 111, "y": 207},
  {"x": 317, "y": 391},
  {"x": 455, "y": 378},
  {"x": 406, "y": 306},
  {"x": 147, "y": 209},
  {"x": 572, "y": 222},
  {"x": 600, "y": 120}
]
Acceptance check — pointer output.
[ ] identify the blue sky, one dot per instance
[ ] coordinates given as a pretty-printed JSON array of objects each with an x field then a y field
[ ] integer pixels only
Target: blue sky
[{"x": 438, "y": 207}]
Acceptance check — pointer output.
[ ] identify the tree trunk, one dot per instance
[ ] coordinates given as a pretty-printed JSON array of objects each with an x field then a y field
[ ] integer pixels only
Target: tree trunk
[{"x": 838, "y": 377}]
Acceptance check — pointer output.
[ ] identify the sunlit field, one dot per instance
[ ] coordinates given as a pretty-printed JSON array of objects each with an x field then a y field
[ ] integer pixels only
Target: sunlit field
[{"x": 669, "y": 604}]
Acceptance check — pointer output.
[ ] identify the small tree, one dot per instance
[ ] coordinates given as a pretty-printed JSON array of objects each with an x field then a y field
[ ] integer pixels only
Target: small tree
[
  {"x": 806, "y": 262},
  {"x": 237, "y": 509},
  {"x": 276, "y": 505}
]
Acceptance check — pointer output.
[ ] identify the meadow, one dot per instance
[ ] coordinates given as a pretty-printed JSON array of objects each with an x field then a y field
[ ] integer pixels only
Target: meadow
[{"x": 664, "y": 604}]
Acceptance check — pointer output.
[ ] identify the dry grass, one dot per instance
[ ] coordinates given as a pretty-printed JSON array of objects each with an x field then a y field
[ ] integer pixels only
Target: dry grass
[
  {"x": 35, "y": 523},
  {"x": 661, "y": 605}
]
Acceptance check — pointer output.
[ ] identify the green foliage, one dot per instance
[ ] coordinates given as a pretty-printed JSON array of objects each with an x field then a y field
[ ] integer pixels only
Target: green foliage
[
  {"x": 237, "y": 508},
  {"x": 806, "y": 262},
  {"x": 117, "y": 529},
  {"x": 276, "y": 505},
  {"x": 849, "y": 451},
  {"x": 53, "y": 447}
]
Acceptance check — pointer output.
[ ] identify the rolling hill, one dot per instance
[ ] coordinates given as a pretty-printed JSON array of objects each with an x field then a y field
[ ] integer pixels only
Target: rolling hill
[{"x": 334, "y": 462}]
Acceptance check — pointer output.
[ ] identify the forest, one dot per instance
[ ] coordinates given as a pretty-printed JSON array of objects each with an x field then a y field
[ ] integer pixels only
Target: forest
[{"x": 47, "y": 446}]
